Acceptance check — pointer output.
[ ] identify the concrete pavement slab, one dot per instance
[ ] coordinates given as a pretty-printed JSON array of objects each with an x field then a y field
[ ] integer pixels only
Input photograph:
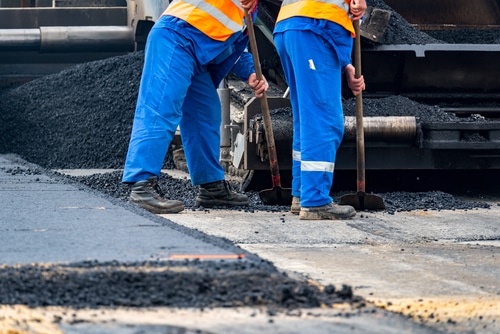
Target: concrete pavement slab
[{"x": 440, "y": 268}]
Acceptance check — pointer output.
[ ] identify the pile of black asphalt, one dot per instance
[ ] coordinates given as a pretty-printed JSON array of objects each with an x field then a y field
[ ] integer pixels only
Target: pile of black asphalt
[
  {"x": 400, "y": 31},
  {"x": 193, "y": 284},
  {"x": 81, "y": 118}
]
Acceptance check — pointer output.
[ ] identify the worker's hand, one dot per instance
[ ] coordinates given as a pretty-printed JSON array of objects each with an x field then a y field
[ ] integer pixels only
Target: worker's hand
[
  {"x": 358, "y": 8},
  {"x": 357, "y": 85},
  {"x": 258, "y": 86},
  {"x": 248, "y": 5}
]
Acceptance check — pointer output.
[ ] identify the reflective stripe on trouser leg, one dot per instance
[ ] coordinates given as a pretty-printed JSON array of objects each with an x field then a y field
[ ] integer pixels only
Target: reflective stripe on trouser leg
[
  {"x": 317, "y": 73},
  {"x": 200, "y": 130},
  {"x": 167, "y": 72}
]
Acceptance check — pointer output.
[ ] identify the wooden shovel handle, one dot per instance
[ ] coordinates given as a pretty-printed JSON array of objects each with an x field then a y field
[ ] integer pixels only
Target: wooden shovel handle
[
  {"x": 271, "y": 147},
  {"x": 360, "y": 135}
]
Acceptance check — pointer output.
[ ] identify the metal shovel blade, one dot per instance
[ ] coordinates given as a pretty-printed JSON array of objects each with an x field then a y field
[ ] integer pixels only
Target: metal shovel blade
[
  {"x": 276, "y": 196},
  {"x": 363, "y": 201},
  {"x": 374, "y": 24}
]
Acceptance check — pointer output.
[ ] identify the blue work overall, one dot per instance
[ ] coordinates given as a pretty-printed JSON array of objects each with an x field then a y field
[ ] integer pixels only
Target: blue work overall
[
  {"x": 182, "y": 70},
  {"x": 313, "y": 54}
]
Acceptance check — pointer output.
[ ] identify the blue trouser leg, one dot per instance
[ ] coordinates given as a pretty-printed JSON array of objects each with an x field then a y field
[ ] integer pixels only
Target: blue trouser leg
[
  {"x": 200, "y": 130},
  {"x": 169, "y": 66},
  {"x": 292, "y": 84},
  {"x": 314, "y": 76}
]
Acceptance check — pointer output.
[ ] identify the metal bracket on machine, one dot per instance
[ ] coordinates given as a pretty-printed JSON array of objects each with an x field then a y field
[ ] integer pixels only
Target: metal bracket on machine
[{"x": 254, "y": 158}]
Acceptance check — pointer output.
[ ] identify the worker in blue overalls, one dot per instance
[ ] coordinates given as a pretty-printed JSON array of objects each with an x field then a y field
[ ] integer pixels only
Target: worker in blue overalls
[
  {"x": 314, "y": 41},
  {"x": 189, "y": 51}
]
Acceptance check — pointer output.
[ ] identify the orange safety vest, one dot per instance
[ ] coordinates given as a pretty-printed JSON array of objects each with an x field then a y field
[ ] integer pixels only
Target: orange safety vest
[
  {"x": 218, "y": 19},
  {"x": 333, "y": 10}
]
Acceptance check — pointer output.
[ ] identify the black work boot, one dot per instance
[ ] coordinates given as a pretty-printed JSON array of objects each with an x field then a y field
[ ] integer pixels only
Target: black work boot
[
  {"x": 147, "y": 194},
  {"x": 219, "y": 193}
]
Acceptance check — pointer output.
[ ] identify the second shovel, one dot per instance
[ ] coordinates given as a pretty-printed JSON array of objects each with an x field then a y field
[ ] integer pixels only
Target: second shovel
[
  {"x": 360, "y": 200},
  {"x": 277, "y": 195}
]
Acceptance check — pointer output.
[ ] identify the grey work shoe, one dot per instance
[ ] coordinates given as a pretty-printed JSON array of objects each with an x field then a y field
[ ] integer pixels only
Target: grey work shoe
[
  {"x": 329, "y": 211},
  {"x": 147, "y": 194},
  {"x": 219, "y": 193},
  {"x": 295, "y": 208}
]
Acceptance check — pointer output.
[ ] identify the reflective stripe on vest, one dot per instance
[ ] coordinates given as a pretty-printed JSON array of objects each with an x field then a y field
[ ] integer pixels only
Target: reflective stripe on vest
[
  {"x": 333, "y": 10},
  {"x": 216, "y": 21}
]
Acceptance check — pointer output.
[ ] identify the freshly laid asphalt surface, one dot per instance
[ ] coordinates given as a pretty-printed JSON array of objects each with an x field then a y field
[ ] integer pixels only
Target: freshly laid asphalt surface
[
  {"x": 44, "y": 220},
  {"x": 85, "y": 262}
]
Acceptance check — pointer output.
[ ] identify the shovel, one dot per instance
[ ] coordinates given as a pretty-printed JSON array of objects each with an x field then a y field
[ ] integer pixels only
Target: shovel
[
  {"x": 277, "y": 195},
  {"x": 360, "y": 200}
]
